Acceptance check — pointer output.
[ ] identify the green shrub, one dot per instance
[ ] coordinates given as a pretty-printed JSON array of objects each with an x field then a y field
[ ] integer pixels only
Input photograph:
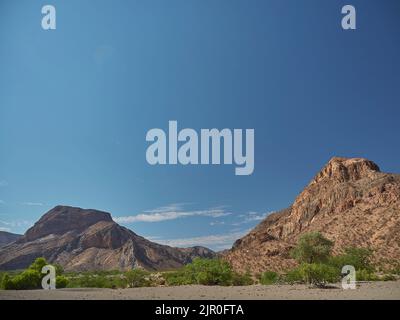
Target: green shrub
[
  {"x": 27, "y": 280},
  {"x": 178, "y": 278},
  {"x": 38, "y": 264},
  {"x": 242, "y": 279},
  {"x": 389, "y": 277},
  {"x": 207, "y": 272},
  {"x": 61, "y": 282},
  {"x": 269, "y": 277},
  {"x": 137, "y": 278},
  {"x": 396, "y": 270},
  {"x": 365, "y": 275},
  {"x": 312, "y": 247},
  {"x": 59, "y": 269},
  {"x": 293, "y": 276},
  {"x": 359, "y": 258},
  {"x": 93, "y": 280},
  {"x": 210, "y": 272},
  {"x": 5, "y": 282},
  {"x": 319, "y": 274}
]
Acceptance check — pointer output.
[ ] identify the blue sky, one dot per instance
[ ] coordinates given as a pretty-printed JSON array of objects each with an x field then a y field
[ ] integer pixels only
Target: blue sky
[{"x": 76, "y": 104}]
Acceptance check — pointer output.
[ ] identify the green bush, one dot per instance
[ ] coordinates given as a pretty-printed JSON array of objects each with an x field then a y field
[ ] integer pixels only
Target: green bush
[
  {"x": 94, "y": 281},
  {"x": 27, "y": 280},
  {"x": 137, "y": 278},
  {"x": 312, "y": 247},
  {"x": 388, "y": 277},
  {"x": 38, "y": 264},
  {"x": 242, "y": 279},
  {"x": 31, "y": 278},
  {"x": 269, "y": 277},
  {"x": 61, "y": 282},
  {"x": 59, "y": 269},
  {"x": 5, "y": 282},
  {"x": 395, "y": 270},
  {"x": 293, "y": 276},
  {"x": 316, "y": 274},
  {"x": 359, "y": 258},
  {"x": 207, "y": 272},
  {"x": 210, "y": 272},
  {"x": 178, "y": 278},
  {"x": 365, "y": 275}
]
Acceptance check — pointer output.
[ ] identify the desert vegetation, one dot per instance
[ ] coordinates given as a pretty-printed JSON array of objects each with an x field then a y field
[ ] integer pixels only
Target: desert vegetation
[
  {"x": 316, "y": 267},
  {"x": 31, "y": 278}
]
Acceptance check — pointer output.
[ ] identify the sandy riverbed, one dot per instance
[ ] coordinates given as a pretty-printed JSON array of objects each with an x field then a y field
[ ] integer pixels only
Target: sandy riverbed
[{"x": 373, "y": 290}]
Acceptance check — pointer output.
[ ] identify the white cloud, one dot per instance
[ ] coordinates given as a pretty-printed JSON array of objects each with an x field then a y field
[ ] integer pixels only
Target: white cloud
[
  {"x": 216, "y": 223},
  {"x": 171, "y": 212},
  {"x": 36, "y": 204},
  {"x": 16, "y": 223},
  {"x": 251, "y": 217},
  {"x": 219, "y": 241},
  {"x": 5, "y": 229}
]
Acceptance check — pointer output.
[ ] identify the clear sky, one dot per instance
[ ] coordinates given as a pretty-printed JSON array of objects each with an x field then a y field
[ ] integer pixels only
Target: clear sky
[{"x": 76, "y": 104}]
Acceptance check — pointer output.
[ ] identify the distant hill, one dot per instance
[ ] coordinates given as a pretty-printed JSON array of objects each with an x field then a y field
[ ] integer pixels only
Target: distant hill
[
  {"x": 349, "y": 201},
  {"x": 86, "y": 239},
  {"x": 8, "y": 237}
]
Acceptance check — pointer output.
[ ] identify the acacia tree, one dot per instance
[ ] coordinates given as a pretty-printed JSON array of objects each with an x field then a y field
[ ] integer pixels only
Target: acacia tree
[{"x": 312, "y": 247}]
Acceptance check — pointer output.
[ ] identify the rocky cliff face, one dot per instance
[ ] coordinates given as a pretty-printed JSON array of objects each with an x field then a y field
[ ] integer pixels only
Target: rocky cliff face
[
  {"x": 81, "y": 239},
  {"x": 349, "y": 201},
  {"x": 7, "y": 237}
]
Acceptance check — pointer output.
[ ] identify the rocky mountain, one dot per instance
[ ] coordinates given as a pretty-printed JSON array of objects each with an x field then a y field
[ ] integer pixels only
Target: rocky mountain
[
  {"x": 85, "y": 239},
  {"x": 349, "y": 201},
  {"x": 7, "y": 237}
]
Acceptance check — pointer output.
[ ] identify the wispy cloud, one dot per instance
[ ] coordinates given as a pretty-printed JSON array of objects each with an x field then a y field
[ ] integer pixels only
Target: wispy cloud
[
  {"x": 5, "y": 229},
  {"x": 35, "y": 204},
  {"x": 172, "y": 212},
  {"x": 15, "y": 224},
  {"x": 218, "y": 241},
  {"x": 251, "y": 217},
  {"x": 3, "y": 183},
  {"x": 216, "y": 223}
]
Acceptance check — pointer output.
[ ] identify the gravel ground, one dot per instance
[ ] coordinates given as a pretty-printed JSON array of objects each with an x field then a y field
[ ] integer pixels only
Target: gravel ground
[{"x": 373, "y": 290}]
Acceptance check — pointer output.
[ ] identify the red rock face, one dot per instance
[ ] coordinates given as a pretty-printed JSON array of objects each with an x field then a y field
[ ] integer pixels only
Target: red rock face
[
  {"x": 349, "y": 201},
  {"x": 82, "y": 239}
]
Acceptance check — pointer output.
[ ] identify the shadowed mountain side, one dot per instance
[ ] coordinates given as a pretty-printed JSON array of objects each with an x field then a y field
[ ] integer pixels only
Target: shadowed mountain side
[{"x": 8, "y": 237}]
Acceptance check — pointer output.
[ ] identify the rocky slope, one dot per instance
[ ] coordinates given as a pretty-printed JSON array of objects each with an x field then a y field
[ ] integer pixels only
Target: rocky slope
[
  {"x": 81, "y": 239},
  {"x": 7, "y": 237},
  {"x": 349, "y": 201}
]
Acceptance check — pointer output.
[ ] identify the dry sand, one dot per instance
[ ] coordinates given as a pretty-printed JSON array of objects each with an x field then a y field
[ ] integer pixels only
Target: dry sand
[{"x": 373, "y": 290}]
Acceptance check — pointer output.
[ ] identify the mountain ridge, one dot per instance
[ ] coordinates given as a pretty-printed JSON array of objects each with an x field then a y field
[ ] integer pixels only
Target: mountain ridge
[
  {"x": 8, "y": 237},
  {"x": 349, "y": 200},
  {"x": 87, "y": 239}
]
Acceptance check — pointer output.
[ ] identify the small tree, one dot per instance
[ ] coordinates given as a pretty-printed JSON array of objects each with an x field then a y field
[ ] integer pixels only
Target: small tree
[
  {"x": 318, "y": 274},
  {"x": 38, "y": 264},
  {"x": 61, "y": 282},
  {"x": 137, "y": 278},
  {"x": 269, "y": 277},
  {"x": 359, "y": 258},
  {"x": 210, "y": 272},
  {"x": 312, "y": 247},
  {"x": 27, "y": 280}
]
